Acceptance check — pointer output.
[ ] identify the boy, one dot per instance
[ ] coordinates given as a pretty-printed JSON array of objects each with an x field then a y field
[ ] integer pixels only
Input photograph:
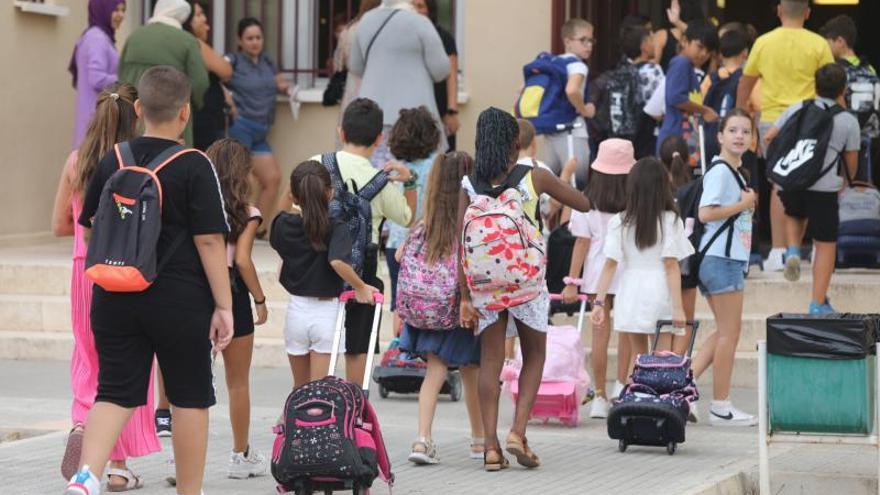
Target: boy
[
  {"x": 186, "y": 308},
  {"x": 816, "y": 209},
  {"x": 577, "y": 37},
  {"x": 785, "y": 60},
  {"x": 719, "y": 89},
  {"x": 638, "y": 48},
  {"x": 683, "y": 97},
  {"x": 528, "y": 151}
]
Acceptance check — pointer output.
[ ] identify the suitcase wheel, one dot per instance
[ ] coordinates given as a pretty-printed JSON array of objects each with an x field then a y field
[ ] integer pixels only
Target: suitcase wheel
[
  {"x": 621, "y": 445},
  {"x": 383, "y": 391},
  {"x": 670, "y": 448}
]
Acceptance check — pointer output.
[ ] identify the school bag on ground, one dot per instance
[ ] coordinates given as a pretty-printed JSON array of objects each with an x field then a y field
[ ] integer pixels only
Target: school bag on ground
[
  {"x": 427, "y": 294},
  {"x": 796, "y": 158},
  {"x": 721, "y": 97},
  {"x": 502, "y": 251},
  {"x": 688, "y": 199},
  {"x": 353, "y": 208},
  {"x": 858, "y": 242},
  {"x": 618, "y": 113},
  {"x": 543, "y": 100},
  {"x": 863, "y": 96},
  {"x": 125, "y": 231}
]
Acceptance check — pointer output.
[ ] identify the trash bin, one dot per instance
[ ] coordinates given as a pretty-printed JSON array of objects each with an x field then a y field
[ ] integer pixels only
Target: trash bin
[{"x": 821, "y": 373}]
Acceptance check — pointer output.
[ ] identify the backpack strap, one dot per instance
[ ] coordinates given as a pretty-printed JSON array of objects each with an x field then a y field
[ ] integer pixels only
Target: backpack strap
[
  {"x": 372, "y": 188},
  {"x": 834, "y": 109},
  {"x": 376, "y": 35},
  {"x": 332, "y": 164},
  {"x": 124, "y": 156},
  {"x": 728, "y": 224},
  {"x": 167, "y": 156}
]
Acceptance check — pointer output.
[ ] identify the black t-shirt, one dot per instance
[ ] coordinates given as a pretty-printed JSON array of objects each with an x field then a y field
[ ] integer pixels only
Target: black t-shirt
[
  {"x": 209, "y": 122},
  {"x": 191, "y": 205},
  {"x": 305, "y": 271},
  {"x": 440, "y": 88}
]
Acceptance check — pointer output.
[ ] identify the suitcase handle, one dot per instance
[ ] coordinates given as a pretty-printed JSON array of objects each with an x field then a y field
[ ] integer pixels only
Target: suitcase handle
[
  {"x": 695, "y": 324},
  {"x": 346, "y": 296}
]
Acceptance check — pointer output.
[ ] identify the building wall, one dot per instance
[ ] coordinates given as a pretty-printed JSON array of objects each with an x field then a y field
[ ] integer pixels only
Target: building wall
[{"x": 37, "y": 118}]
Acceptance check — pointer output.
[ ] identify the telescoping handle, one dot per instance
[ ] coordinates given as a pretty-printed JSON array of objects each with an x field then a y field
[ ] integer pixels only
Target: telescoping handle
[
  {"x": 695, "y": 324},
  {"x": 346, "y": 296},
  {"x": 581, "y": 297}
]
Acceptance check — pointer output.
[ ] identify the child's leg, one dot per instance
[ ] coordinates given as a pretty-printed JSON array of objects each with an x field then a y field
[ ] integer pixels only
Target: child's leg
[
  {"x": 300, "y": 366},
  {"x": 599, "y": 354},
  {"x": 706, "y": 354},
  {"x": 624, "y": 357},
  {"x": 777, "y": 220},
  {"x": 680, "y": 343},
  {"x": 638, "y": 344},
  {"x": 728, "y": 310},
  {"x": 469, "y": 376},
  {"x": 162, "y": 402},
  {"x": 191, "y": 449},
  {"x": 237, "y": 361},
  {"x": 534, "y": 350},
  {"x": 319, "y": 365},
  {"x": 435, "y": 377},
  {"x": 823, "y": 268},
  {"x": 107, "y": 421},
  {"x": 491, "y": 362},
  {"x": 265, "y": 169}
]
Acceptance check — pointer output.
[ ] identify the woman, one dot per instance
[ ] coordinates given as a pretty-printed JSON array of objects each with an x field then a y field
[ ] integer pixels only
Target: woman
[
  {"x": 255, "y": 83},
  {"x": 343, "y": 49},
  {"x": 666, "y": 41},
  {"x": 209, "y": 122},
  {"x": 405, "y": 59},
  {"x": 95, "y": 60}
]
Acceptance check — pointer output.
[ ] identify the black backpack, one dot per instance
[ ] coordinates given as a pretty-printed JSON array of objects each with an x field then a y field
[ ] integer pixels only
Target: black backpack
[
  {"x": 688, "y": 199},
  {"x": 618, "y": 114},
  {"x": 721, "y": 97},
  {"x": 796, "y": 157}
]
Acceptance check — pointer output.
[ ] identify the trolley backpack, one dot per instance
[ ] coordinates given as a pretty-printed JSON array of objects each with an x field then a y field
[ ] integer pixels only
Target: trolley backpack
[
  {"x": 543, "y": 100},
  {"x": 427, "y": 293},
  {"x": 618, "y": 113},
  {"x": 353, "y": 208},
  {"x": 863, "y": 95},
  {"x": 796, "y": 157},
  {"x": 125, "y": 231}
]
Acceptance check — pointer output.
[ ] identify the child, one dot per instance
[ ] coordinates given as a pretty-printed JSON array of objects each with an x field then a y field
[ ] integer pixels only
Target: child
[
  {"x": 722, "y": 271},
  {"x": 638, "y": 48},
  {"x": 648, "y": 239},
  {"x": 315, "y": 252},
  {"x": 177, "y": 318},
  {"x": 497, "y": 148},
  {"x": 673, "y": 154},
  {"x": 683, "y": 84},
  {"x": 606, "y": 189},
  {"x": 719, "y": 89},
  {"x": 233, "y": 164},
  {"x": 433, "y": 242},
  {"x": 114, "y": 121}
]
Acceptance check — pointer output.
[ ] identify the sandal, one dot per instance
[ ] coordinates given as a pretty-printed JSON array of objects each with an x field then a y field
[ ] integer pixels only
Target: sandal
[
  {"x": 494, "y": 460},
  {"x": 423, "y": 452},
  {"x": 132, "y": 481},
  {"x": 478, "y": 447},
  {"x": 519, "y": 447},
  {"x": 72, "y": 453}
]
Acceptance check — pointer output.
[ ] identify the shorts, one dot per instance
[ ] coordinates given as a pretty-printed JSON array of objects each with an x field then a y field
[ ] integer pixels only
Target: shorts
[
  {"x": 242, "y": 313},
  {"x": 253, "y": 135},
  {"x": 820, "y": 209},
  {"x": 722, "y": 275},
  {"x": 130, "y": 329},
  {"x": 393, "y": 270},
  {"x": 310, "y": 325},
  {"x": 359, "y": 317}
]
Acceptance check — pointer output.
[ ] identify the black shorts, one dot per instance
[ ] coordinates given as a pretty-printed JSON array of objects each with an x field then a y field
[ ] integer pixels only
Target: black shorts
[
  {"x": 359, "y": 317},
  {"x": 242, "y": 313},
  {"x": 130, "y": 329},
  {"x": 820, "y": 209}
]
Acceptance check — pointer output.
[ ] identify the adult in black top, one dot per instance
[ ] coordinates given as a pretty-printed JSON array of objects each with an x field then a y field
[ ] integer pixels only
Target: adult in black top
[
  {"x": 446, "y": 91},
  {"x": 667, "y": 41}
]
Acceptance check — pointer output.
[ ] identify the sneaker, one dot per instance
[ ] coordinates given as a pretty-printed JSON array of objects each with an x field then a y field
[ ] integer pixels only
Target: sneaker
[
  {"x": 617, "y": 390},
  {"x": 171, "y": 469},
  {"x": 246, "y": 465},
  {"x": 773, "y": 263},
  {"x": 792, "y": 270},
  {"x": 722, "y": 413},
  {"x": 821, "y": 309},
  {"x": 163, "y": 422},
  {"x": 427, "y": 453},
  {"x": 693, "y": 414},
  {"x": 599, "y": 408},
  {"x": 83, "y": 483}
]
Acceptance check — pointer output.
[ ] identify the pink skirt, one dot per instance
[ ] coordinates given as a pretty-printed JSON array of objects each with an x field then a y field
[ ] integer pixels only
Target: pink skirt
[{"x": 138, "y": 438}]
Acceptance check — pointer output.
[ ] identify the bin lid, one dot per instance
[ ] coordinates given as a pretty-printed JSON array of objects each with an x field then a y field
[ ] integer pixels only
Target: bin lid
[{"x": 833, "y": 336}]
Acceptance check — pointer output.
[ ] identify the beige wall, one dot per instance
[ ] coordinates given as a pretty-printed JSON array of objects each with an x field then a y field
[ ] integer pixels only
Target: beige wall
[{"x": 37, "y": 98}]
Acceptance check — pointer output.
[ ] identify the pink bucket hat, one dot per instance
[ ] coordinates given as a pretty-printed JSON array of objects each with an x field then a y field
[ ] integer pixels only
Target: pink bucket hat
[{"x": 615, "y": 157}]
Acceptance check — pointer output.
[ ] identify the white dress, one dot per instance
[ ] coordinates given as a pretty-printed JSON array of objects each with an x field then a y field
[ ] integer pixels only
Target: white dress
[{"x": 643, "y": 293}]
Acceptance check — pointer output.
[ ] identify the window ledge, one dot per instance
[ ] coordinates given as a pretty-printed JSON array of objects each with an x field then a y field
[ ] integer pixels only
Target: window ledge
[
  {"x": 42, "y": 8},
  {"x": 316, "y": 95}
]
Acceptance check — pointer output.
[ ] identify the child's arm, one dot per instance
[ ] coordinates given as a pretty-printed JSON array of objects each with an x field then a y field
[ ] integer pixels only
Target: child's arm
[
  {"x": 410, "y": 189},
  {"x": 363, "y": 293},
  {"x": 608, "y": 271},
  {"x": 578, "y": 257},
  {"x": 673, "y": 279},
  {"x": 62, "y": 215},
  {"x": 212, "y": 252},
  {"x": 245, "y": 264},
  {"x": 546, "y": 182},
  {"x": 709, "y": 115},
  {"x": 744, "y": 90},
  {"x": 716, "y": 212},
  {"x": 576, "y": 96}
]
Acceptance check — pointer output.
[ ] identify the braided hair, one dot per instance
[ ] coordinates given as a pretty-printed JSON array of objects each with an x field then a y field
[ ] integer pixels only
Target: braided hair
[{"x": 497, "y": 144}]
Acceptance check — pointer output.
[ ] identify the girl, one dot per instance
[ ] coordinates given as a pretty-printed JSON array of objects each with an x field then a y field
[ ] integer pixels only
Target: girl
[
  {"x": 255, "y": 83},
  {"x": 497, "y": 149},
  {"x": 725, "y": 196},
  {"x": 114, "y": 121},
  {"x": 233, "y": 165},
  {"x": 648, "y": 239},
  {"x": 606, "y": 189},
  {"x": 673, "y": 154},
  {"x": 432, "y": 240},
  {"x": 315, "y": 252}
]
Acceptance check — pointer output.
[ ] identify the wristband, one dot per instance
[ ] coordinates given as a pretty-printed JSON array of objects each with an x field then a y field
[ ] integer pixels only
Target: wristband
[
  {"x": 260, "y": 303},
  {"x": 412, "y": 183},
  {"x": 599, "y": 304}
]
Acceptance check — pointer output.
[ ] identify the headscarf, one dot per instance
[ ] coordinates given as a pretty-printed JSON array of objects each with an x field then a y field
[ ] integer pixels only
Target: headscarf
[
  {"x": 100, "y": 16},
  {"x": 171, "y": 12},
  {"x": 398, "y": 4}
]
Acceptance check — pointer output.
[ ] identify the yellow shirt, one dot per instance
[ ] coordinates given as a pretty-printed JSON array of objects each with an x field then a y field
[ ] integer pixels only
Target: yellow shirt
[{"x": 786, "y": 60}]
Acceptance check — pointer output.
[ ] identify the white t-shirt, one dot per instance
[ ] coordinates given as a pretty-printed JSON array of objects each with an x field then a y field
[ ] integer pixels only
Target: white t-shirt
[
  {"x": 656, "y": 105},
  {"x": 593, "y": 225},
  {"x": 577, "y": 66}
]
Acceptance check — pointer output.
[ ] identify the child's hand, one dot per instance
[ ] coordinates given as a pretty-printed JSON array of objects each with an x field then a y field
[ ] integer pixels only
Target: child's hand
[
  {"x": 598, "y": 317},
  {"x": 221, "y": 330},
  {"x": 569, "y": 294},
  {"x": 262, "y": 313},
  {"x": 470, "y": 317},
  {"x": 403, "y": 173},
  {"x": 673, "y": 13},
  {"x": 364, "y": 294},
  {"x": 749, "y": 198},
  {"x": 710, "y": 115}
]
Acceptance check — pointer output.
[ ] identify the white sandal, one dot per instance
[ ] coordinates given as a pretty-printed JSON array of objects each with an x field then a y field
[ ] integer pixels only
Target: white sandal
[
  {"x": 478, "y": 448},
  {"x": 428, "y": 455},
  {"x": 132, "y": 481}
]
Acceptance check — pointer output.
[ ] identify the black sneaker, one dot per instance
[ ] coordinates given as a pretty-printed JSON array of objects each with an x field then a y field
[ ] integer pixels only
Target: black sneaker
[{"x": 163, "y": 422}]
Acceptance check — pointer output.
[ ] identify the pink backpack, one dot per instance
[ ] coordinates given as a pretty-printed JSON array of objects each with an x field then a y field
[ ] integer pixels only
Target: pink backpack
[
  {"x": 502, "y": 251},
  {"x": 427, "y": 294}
]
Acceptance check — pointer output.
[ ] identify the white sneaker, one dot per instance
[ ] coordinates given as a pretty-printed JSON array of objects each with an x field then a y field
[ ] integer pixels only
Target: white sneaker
[
  {"x": 83, "y": 482},
  {"x": 617, "y": 390},
  {"x": 774, "y": 263},
  {"x": 722, "y": 413},
  {"x": 242, "y": 468},
  {"x": 693, "y": 414},
  {"x": 599, "y": 408}
]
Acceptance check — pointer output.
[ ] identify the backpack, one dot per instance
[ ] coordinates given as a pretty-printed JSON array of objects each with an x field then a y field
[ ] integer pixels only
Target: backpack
[
  {"x": 618, "y": 113},
  {"x": 863, "y": 96},
  {"x": 796, "y": 158},
  {"x": 543, "y": 100},
  {"x": 721, "y": 97},
  {"x": 354, "y": 208},
  {"x": 125, "y": 232},
  {"x": 427, "y": 294},
  {"x": 330, "y": 433},
  {"x": 688, "y": 199},
  {"x": 502, "y": 251}
]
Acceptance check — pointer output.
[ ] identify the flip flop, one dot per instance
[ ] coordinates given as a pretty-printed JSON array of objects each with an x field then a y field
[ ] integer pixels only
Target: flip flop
[
  {"x": 132, "y": 481},
  {"x": 72, "y": 453},
  {"x": 519, "y": 448}
]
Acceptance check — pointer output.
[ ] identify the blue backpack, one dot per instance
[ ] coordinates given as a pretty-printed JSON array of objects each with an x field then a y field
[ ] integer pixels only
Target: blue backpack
[{"x": 543, "y": 100}]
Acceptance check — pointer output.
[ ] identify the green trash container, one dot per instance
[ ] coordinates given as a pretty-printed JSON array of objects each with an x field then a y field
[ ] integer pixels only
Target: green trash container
[{"x": 821, "y": 373}]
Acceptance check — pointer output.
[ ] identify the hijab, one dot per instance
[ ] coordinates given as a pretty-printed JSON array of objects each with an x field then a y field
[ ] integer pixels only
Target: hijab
[
  {"x": 100, "y": 16},
  {"x": 171, "y": 12}
]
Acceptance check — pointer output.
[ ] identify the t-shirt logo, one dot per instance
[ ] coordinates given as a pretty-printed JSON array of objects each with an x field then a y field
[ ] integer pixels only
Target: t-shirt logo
[{"x": 802, "y": 152}]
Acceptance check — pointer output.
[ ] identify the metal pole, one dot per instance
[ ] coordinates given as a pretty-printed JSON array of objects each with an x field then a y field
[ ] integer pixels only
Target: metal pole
[
  {"x": 877, "y": 412},
  {"x": 337, "y": 337},
  {"x": 763, "y": 419},
  {"x": 374, "y": 336}
]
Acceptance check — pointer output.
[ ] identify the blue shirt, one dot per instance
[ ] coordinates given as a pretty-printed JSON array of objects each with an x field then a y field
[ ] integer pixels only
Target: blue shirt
[
  {"x": 682, "y": 84},
  {"x": 396, "y": 233},
  {"x": 253, "y": 87},
  {"x": 720, "y": 188}
]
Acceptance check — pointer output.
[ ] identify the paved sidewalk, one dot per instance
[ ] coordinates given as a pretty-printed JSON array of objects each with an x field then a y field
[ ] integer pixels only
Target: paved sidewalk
[{"x": 35, "y": 397}]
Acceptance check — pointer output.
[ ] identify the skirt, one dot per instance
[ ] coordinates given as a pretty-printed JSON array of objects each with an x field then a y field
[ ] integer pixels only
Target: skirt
[{"x": 457, "y": 347}]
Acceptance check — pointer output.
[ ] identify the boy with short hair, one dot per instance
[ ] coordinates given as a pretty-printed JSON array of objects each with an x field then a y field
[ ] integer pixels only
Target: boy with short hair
[
  {"x": 683, "y": 97},
  {"x": 816, "y": 209},
  {"x": 638, "y": 48},
  {"x": 719, "y": 89},
  {"x": 177, "y": 318}
]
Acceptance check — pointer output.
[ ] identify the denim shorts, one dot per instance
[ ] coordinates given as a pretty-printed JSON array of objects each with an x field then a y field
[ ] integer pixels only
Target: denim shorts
[
  {"x": 252, "y": 134},
  {"x": 722, "y": 275}
]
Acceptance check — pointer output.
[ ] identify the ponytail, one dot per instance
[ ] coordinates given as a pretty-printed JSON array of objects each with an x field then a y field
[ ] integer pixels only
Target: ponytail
[
  {"x": 309, "y": 183},
  {"x": 673, "y": 154},
  {"x": 113, "y": 122}
]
